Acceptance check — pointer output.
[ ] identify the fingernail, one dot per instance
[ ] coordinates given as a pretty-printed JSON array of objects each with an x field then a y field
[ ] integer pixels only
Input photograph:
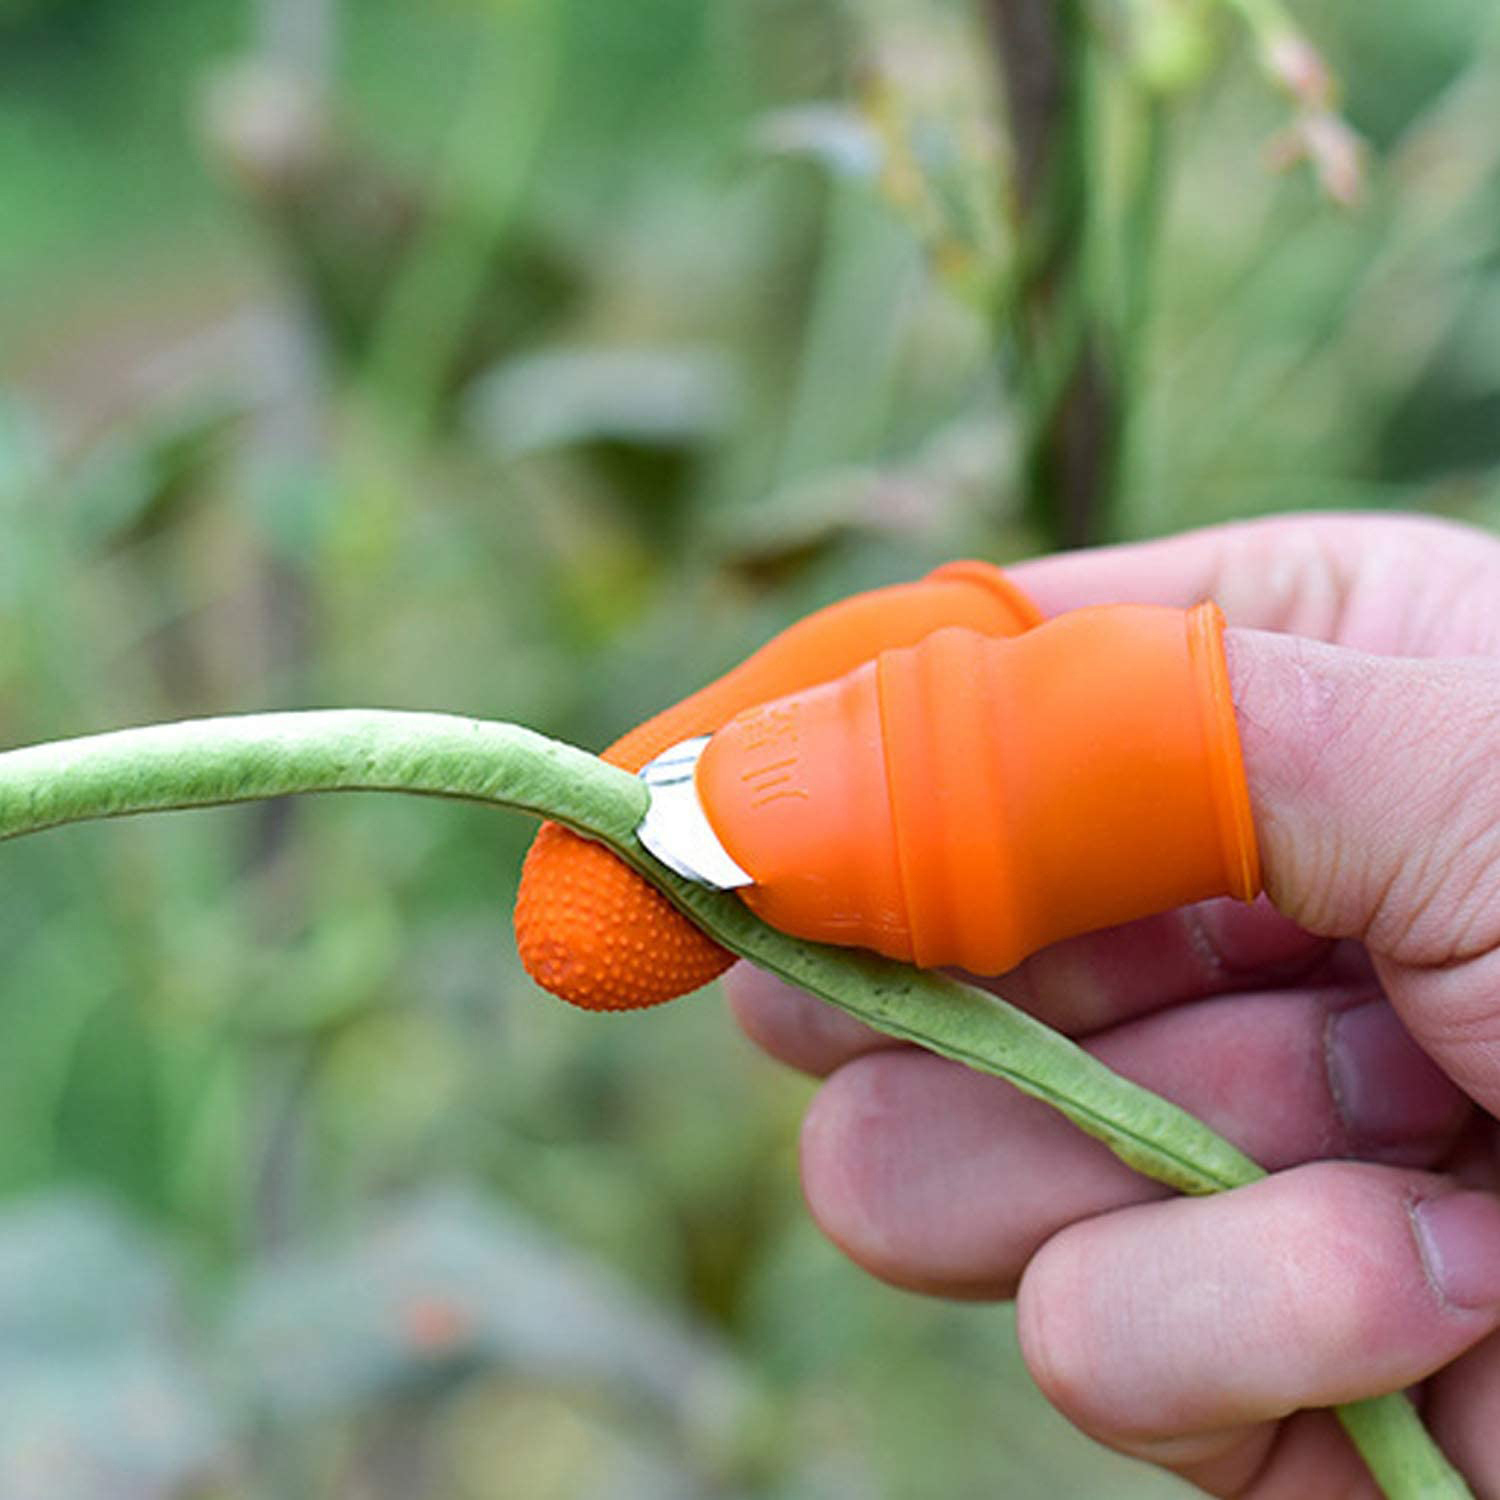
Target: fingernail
[
  {"x": 1460, "y": 1240},
  {"x": 1386, "y": 1088},
  {"x": 1257, "y": 937}
]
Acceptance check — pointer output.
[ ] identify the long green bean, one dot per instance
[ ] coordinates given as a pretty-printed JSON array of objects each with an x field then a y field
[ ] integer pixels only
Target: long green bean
[{"x": 207, "y": 762}]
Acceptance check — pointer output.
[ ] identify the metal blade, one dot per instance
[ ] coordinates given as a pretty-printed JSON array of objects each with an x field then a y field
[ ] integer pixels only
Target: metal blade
[{"x": 675, "y": 828}]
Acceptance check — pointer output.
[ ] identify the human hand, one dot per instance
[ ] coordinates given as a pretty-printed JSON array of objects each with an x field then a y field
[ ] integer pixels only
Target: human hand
[{"x": 1347, "y": 1032}]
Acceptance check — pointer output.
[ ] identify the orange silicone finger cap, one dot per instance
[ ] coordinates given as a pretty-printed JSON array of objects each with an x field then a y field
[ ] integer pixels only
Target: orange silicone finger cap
[
  {"x": 591, "y": 930},
  {"x": 969, "y": 800}
]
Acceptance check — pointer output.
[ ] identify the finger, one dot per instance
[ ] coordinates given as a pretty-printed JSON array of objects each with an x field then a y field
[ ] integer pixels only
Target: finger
[
  {"x": 1463, "y": 1401},
  {"x": 1329, "y": 577},
  {"x": 1080, "y": 986},
  {"x": 1307, "y": 1454},
  {"x": 794, "y": 1027},
  {"x": 1098, "y": 979},
  {"x": 1377, "y": 805},
  {"x": 1475, "y": 1158},
  {"x": 1463, "y": 1411},
  {"x": 1170, "y": 1329},
  {"x": 944, "y": 1180}
]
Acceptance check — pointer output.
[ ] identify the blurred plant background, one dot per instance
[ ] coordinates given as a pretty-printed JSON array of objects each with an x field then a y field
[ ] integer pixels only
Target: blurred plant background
[{"x": 535, "y": 359}]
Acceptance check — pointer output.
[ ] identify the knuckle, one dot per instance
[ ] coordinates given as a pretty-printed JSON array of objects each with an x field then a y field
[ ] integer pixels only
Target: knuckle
[
  {"x": 1440, "y": 900},
  {"x": 1284, "y": 574}
]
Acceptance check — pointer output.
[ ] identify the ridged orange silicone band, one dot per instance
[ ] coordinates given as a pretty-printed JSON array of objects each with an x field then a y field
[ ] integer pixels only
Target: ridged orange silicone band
[{"x": 969, "y": 800}]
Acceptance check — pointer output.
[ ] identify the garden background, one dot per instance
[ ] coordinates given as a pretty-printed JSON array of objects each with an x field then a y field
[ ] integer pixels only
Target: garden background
[{"x": 535, "y": 359}]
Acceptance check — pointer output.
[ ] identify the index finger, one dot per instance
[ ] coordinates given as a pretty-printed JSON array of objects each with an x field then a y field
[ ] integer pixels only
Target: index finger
[{"x": 1306, "y": 574}]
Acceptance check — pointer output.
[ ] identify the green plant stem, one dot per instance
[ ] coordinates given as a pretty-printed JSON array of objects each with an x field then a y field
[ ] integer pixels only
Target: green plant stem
[
  {"x": 1049, "y": 314},
  {"x": 503, "y": 110},
  {"x": 208, "y": 762}
]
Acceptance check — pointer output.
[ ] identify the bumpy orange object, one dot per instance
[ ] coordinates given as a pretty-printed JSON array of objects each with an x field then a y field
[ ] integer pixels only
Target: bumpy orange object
[
  {"x": 592, "y": 931},
  {"x": 969, "y": 800}
]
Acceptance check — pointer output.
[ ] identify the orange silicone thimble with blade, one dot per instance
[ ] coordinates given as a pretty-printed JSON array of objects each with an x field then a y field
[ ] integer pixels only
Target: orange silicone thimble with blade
[
  {"x": 969, "y": 800},
  {"x": 591, "y": 930}
]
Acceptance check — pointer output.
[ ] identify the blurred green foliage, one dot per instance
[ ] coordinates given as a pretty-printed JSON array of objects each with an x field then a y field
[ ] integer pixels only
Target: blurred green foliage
[{"x": 536, "y": 359}]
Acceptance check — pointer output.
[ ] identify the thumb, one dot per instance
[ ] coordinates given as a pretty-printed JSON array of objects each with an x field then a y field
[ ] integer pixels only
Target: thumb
[{"x": 1375, "y": 784}]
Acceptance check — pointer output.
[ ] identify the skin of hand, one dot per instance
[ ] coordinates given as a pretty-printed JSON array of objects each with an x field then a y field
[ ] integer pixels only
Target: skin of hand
[{"x": 1344, "y": 1030}]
